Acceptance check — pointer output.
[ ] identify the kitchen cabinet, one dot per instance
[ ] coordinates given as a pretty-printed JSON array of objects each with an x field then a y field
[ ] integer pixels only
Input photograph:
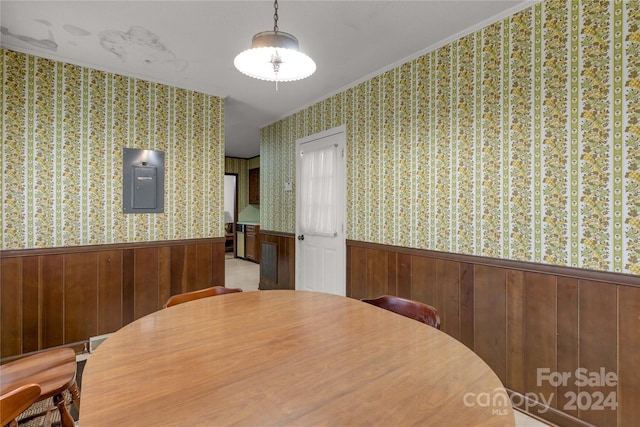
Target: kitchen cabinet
[
  {"x": 254, "y": 186},
  {"x": 252, "y": 243}
]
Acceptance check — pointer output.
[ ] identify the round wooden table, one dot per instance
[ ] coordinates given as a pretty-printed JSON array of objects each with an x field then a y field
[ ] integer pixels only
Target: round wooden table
[{"x": 287, "y": 358}]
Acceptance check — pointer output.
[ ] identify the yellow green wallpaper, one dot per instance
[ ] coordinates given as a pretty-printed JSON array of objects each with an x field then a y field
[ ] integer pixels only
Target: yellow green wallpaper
[
  {"x": 63, "y": 131},
  {"x": 253, "y": 163},
  {"x": 519, "y": 141}
]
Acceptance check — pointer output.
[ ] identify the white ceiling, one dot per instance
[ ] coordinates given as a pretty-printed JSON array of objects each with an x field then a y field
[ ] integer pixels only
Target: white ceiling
[{"x": 192, "y": 44}]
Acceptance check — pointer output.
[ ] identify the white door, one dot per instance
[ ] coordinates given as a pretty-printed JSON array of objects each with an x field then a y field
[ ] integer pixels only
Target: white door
[{"x": 320, "y": 212}]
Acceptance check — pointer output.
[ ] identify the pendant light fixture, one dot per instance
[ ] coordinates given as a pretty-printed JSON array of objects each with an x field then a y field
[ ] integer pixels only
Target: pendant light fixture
[{"x": 274, "y": 56}]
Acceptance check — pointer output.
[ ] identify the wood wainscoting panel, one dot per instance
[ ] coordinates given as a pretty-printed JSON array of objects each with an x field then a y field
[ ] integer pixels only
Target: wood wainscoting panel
[
  {"x": 128, "y": 286},
  {"x": 30, "y": 297},
  {"x": 392, "y": 268},
  {"x": 377, "y": 276},
  {"x": 178, "y": 263},
  {"x": 357, "y": 272},
  {"x": 217, "y": 270},
  {"x": 402, "y": 269},
  {"x": 63, "y": 296},
  {"x": 191, "y": 270},
  {"x": 109, "y": 291},
  {"x": 10, "y": 311},
  {"x": 628, "y": 371},
  {"x": 203, "y": 267},
  {"x": 539, "y": 341},
  {"x": 80, "y": 296},
  {"x": 515, "y": 330},
  {"x": 448, "y": 296},
  {"x": 568, "y": 343},
  {"x": 145, "y": 295},
  {"x": 282, "y": 263},
  {"x": 398, "y": 275},
  {"x": 164, "y": 274},
  {"x": 491, "y": 318},
  {"x": 51, "y": 304},
  {"x": 467, "y": 306},
  {"x": 423, "y": 281},
  {"x": 524, "y": 320},
  {"x": 598, "y": 326}
]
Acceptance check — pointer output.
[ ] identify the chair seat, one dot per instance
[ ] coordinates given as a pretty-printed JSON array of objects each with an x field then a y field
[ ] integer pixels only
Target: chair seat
[{"x": 54, "y": 370}]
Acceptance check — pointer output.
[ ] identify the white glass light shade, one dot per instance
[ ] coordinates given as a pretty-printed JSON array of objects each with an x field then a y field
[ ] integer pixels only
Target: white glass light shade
[{"x": 271, "y": 48}]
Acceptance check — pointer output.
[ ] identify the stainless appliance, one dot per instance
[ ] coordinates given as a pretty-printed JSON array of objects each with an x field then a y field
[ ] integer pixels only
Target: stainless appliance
[{"x": 240, "y": 240}]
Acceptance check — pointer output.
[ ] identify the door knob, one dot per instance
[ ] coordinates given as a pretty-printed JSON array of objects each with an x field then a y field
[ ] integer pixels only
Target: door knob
[{"x": 301, "y": 237}]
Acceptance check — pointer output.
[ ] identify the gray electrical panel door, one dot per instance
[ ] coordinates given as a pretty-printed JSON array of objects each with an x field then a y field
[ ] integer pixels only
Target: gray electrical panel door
[
  {"x": 143, "y": 181},
  {"x": 144, "y": 187}
]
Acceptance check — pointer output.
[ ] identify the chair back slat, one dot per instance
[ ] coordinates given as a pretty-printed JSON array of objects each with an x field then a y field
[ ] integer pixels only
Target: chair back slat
[
  {"x": 412, "y": 309},
  {"x": 202, "y": 293},
  {"x": 14, "y": 402}
]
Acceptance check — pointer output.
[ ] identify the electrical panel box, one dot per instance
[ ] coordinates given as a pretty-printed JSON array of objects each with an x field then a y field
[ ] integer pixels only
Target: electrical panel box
[{"x": 143, "y": 181}]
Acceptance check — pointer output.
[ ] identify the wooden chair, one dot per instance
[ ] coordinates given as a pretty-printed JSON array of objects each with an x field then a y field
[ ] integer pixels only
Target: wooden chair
[
  {"x": 202, "y": 293},
  {"x": 14, "y": 402},
  {"x": 413, "y": 309},
  {"x": 54, "y": 371}
]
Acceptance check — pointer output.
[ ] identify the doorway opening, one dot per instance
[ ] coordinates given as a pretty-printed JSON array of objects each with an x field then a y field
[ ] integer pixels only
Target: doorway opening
[{"x": 230, "y": 213}]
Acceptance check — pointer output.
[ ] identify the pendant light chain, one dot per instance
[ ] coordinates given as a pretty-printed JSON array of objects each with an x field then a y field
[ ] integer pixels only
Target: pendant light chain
[
  {"x": 275, "y": 58},
  {"x": 275, "y": 16}
]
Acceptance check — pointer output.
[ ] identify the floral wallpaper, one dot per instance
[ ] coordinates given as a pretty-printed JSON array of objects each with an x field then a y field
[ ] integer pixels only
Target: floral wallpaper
[
  {"x": 520, "y": 141},
  {"x": 64, "y": 128}
]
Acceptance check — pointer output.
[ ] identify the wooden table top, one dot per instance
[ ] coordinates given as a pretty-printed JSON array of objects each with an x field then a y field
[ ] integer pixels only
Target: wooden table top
[{"x": 287, "y": 358}]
